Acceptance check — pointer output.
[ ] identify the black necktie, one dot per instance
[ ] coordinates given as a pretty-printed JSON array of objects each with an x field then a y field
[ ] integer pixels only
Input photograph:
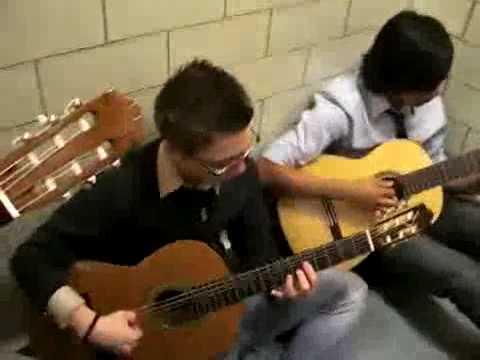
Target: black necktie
[{"x": 399, "y": 120}]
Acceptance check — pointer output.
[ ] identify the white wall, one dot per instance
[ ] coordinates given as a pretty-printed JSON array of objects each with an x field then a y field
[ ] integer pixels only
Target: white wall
[{"x": 280, "y": 49}]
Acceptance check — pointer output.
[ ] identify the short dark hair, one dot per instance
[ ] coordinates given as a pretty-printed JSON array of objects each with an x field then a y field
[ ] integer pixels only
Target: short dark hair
[
  {"x": 198, "y": 101},
  {"x": 411, "y": 52}
]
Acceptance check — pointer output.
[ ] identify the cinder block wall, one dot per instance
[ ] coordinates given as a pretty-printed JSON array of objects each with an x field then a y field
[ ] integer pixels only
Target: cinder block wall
[{"x": 281, "y": 50}]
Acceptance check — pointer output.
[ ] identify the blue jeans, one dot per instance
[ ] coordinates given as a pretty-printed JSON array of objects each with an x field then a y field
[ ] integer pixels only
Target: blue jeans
[
  {"x": 312, "y": 327},
  {"x": 442, "y": 261}
]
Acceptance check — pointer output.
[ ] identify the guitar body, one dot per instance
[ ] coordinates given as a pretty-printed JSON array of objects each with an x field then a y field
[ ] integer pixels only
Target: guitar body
[
  {"x": 305, "y": 222},
  {"x": 187, "y": 304},
  {"x": 108, "y": 288}
]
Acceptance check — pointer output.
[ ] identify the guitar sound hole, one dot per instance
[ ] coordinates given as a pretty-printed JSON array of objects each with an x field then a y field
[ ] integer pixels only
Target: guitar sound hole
[
  {"x": 88, "y": 300},
  {"x": 166, "y": 295},
  {"x": 397, "y": 185},
  {"x": 174, "y": 308}
]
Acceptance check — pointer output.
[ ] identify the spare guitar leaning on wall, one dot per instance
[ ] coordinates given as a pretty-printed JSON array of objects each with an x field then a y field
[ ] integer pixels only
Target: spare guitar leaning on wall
[{"x": 66, "y": 152}]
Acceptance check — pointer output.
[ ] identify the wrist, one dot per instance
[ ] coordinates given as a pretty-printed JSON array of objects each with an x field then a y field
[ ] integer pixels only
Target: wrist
[
  {"x": 80, "y": 320},
  {"x": 93, "y": 323}
]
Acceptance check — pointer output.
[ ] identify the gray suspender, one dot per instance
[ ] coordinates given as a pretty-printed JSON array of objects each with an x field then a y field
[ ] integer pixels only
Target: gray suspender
[
  {"x": 328, "y": 204},
  {"x": 329, "y": 97}
]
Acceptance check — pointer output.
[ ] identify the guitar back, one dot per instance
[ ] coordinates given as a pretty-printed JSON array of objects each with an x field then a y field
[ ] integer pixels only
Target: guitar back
[
  {"x": 305, "y": 222},
  {"x": 108, "y": 288}
]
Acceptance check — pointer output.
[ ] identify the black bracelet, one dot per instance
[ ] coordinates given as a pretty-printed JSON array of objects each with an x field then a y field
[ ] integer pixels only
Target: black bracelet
[{"x": 90, "y": 328}]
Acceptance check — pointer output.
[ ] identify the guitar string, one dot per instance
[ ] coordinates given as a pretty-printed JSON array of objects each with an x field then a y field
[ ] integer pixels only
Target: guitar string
[
  {"x": 203, "y": 290},
  {"x": 42, "y": 158},
  {"x": 18, "y": 126},
  {"x": 25, "y": 169},
  {"x": 218, "y": 284},
  {"x": 221, "y": 285},
  {"x": 6, "y": 169},
  {"x": 215, "y": 288},
  {"x": 219, "y": 281},
  {"x": 57, "y": 175},
  {"x": 61, "y": 122},
  {"x": 424, "y": 178},
  {"x": 41, "y": 132},
  {"x": 54, "y": 149},
  {"x": 220, "y": 290}
]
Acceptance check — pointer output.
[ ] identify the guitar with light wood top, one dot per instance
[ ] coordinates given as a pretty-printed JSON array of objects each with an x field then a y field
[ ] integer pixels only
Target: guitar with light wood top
[
  {"x": 308, "y": 223},
  {"x": 188, "y": 305},
  {"x": 66, "y": 152}
]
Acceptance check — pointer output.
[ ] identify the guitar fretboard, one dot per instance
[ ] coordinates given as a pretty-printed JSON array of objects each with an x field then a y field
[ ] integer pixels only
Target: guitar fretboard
[
  {"x": 440, "y": 173},
  {"x": 234, "y": 289}
]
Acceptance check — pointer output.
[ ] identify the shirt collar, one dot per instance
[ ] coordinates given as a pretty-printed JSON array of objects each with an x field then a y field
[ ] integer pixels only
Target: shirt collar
[
  {"x": 378, "y": 104},
  {"x": 170, "y": 180},
  {"x": 375, "y": 104}
]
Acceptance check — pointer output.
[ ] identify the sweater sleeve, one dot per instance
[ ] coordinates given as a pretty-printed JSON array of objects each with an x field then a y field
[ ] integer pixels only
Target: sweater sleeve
[{"x": 77, "y": 230}]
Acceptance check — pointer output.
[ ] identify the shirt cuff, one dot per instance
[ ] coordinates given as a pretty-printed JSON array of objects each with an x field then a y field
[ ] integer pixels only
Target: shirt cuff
[{"x": 62, "y": 303}]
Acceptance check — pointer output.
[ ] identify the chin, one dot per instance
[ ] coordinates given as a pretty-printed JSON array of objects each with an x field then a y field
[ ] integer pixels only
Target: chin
[
  {"x": 227, "y": 177},
  {"x": 232, "y": 175}
]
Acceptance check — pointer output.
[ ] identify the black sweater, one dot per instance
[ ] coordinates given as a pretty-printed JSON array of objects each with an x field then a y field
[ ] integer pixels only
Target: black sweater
[{"x": 122, "y": 219}]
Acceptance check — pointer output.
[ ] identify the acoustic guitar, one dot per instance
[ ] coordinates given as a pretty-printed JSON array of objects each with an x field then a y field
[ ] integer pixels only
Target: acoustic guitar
[
  {"x": 309, "y": 223},
  {"x": 188, "y": 304},
  {"x": 66, "y": 152}
]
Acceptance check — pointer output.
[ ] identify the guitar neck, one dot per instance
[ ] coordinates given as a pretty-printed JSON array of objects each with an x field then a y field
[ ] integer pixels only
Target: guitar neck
[
  {"x": 236, "y": 288},
  {"x": 440, "y": 173}
]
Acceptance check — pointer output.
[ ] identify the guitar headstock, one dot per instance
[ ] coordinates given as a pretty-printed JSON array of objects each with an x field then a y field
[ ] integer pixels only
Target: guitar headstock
[
  {"x": 67, "y": 151},
  {"x": 400, "y": 226}
]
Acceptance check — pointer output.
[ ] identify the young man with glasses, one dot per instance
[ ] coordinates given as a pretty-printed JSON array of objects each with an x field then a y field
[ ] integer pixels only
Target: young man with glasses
[
  {"x": 395, "y": 93},
  {"x": 195, "y": 182}
]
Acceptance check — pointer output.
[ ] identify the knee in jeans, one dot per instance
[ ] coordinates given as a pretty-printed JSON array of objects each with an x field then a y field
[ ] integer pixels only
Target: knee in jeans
[
  {"x": 466, "y": 279},
  {"x": 356, "y": 290},
  {"x": 350, "y": 291}
]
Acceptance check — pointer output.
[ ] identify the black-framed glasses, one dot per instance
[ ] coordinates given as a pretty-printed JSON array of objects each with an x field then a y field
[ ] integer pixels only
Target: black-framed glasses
[{"x": 220, "y": 171}]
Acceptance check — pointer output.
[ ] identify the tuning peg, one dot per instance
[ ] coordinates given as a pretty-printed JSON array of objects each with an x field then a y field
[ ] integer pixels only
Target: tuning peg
[
  {"x": 383, "y": 214},
  {"x": 22, "y": 138},
  {"x": 42, "y": 119},
  {"x": 390, "y": 247},
  {"x": 390, "y": 210},
  {"x": 89, "y": 183},
  {"x": 72, "y": 105},
  {"x": 67, "y": 195},
  {"x": 52, "y": 118}
]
